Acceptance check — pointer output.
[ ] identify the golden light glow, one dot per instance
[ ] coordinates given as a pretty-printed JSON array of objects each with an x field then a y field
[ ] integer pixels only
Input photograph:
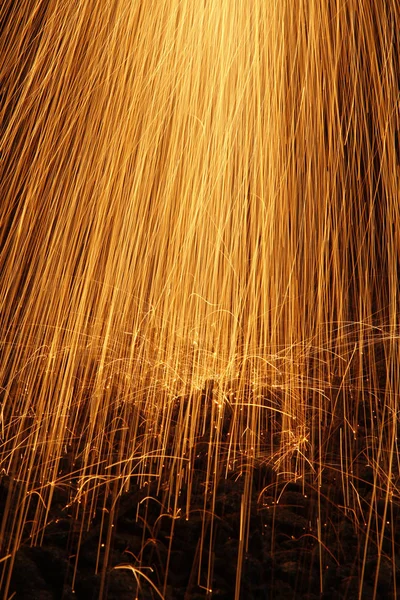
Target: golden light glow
[{"x": 200, "y": 233}]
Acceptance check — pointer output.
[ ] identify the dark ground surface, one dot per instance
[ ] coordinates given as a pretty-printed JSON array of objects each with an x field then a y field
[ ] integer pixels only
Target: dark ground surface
[
  {"x": 302, "y": 542},
  {"x": 283, "y": 559}
]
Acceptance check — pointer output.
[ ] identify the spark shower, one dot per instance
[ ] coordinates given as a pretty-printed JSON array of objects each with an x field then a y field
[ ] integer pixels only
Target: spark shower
[{"x": 200, "y": 234}]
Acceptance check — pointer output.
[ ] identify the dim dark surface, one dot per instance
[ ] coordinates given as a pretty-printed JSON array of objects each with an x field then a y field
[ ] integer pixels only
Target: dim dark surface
[{"x": 284, "y": 558}]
